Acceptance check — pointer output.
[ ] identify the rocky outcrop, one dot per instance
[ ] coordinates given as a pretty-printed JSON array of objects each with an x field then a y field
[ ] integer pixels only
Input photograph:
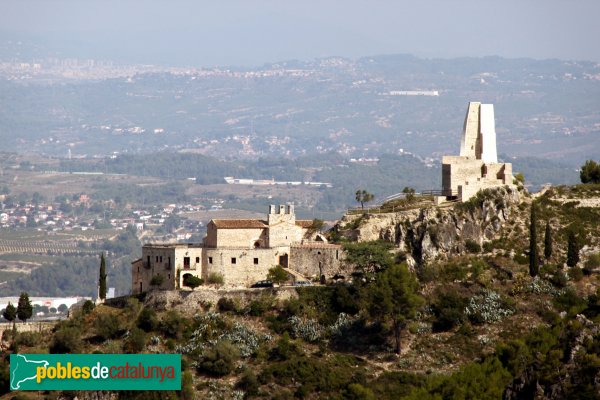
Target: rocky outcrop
[{"x": 437, "y": 232}]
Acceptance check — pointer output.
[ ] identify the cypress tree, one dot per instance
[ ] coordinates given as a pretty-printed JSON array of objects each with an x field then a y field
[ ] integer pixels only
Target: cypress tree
[
  {"x": 102, "y": 280},
  {"x": 572, "y": 250},
  {"x": 24, "y": 307},
  {"x": 10, "y": 313},
  {"x": 533, "y": 253},
  {"x": 548, "y": 241}
]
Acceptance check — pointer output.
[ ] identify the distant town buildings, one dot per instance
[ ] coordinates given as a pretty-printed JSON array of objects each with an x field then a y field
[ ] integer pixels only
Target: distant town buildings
[
  {"x": 414, "y": 93},
  {"x": 244, "y": 181}
]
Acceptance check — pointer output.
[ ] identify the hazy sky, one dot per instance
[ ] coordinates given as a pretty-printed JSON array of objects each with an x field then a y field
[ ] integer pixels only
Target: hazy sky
[{"x": 221, "y": 32}]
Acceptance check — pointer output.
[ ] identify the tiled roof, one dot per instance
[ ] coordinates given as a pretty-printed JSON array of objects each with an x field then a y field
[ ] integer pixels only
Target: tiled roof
[
  {"x": 239, "y": 223},
  {"x": 304, "y": 223},
  {"x": 317, "y": 245}
]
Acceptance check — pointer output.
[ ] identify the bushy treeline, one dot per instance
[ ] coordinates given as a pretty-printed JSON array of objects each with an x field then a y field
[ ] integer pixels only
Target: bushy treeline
[
  {"x": 391, "y": 173},
  {"x": 590, "y": 172},
  {"x": 72, "y": 276}
]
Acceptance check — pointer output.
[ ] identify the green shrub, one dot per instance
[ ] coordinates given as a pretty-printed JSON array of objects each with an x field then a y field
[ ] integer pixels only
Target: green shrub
[
  {"x": 477, "y": 267},
  {"x": 592, "y": 263},
  {"x": 576, "y": 274},
  {"x": 147, "y": 320},
  {"x": 226, "y": 304},
  {"x": 453, "y": 271},
  {"x": 285, "y": 348},
  {"x": 108, "y": 326},
  {"x": 559, "y": 278},
  {"x": 278, "y": 275},
  {"x": 356, "y": 391},
  {"x": 449, "y": 311},
  {"x": 346, "y": 300},
  {"x": 570, "y": 302},
  {"x": 136, "y": 341},
  {"x": 88, "y": 307},
  {"x": 258, "y": 307},
  {"x": 521, "y": 259},
  {"x": 488, "y": 247},
  {"x": 192, "y": 281},
  {"x": 66, "y": 339},
  {"x": 215, "y": 278},
  {"x": 472, "y": 246},
  {"x": 29, "y": 339},
  {"x": 248, "y": 382},
  {"x": 219, "y": 360},
  {"x": 172, "y": 325}
]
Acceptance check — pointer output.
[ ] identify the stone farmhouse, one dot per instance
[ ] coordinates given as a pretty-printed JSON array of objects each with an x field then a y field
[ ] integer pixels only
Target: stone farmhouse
[
  {"x": 477, "y": 167},
  {"x": 242, "y": 251}
]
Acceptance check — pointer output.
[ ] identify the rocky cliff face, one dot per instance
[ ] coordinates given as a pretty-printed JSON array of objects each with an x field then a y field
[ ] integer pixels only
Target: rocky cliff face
[{"x": 434, "y": 232}]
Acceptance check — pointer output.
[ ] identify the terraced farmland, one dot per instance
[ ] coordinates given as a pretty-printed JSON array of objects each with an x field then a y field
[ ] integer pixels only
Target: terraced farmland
[{"x": 43, "y": 247}]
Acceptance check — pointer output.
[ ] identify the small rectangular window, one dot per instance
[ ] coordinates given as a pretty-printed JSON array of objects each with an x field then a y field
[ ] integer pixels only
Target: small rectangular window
[
  {"x": 256, "y": 261},
  {"x": 156, "y": 258},
  {"x": 233, "y": 260},
  {"x": 210, "y": 260},
  {"x": 160, "y": 258},
  {"x": 197, "y": 260}
]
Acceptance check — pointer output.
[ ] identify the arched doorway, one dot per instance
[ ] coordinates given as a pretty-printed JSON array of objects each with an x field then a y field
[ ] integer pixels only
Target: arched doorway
[{"x": 283, "y": 260}]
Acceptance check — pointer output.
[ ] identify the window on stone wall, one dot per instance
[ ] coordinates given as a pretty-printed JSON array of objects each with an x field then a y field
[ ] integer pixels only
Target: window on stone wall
[
  {"x": 197, "y": 260},
  {"x": 160, "y": 258},
  {"x": 233, "y": 260},
  {"x": 255, "y": 261},
  {"x": 337, "y": 254},
  {"x": 210, "y": 260},
  {"x": 156, "y": 258}
]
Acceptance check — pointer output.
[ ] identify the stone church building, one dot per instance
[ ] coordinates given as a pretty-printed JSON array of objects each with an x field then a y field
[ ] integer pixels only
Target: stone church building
[{"x": 242, "y": 251}]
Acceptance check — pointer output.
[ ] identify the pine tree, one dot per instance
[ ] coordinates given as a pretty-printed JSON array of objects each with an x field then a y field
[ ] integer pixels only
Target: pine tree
[
  {"x": 533, "y": 251},
  {"x": 393, "y": 297},
  {"x": 102, "y": 280},
  {"x": 548, "y": 241},
  {"x": 572, "y": 250},
  {"x": 24, "y": 308},
  {"x": 10, "y": 313}
]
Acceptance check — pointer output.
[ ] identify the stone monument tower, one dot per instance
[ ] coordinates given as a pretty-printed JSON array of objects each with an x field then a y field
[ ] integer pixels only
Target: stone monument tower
[{"x": 477, "y": 166}]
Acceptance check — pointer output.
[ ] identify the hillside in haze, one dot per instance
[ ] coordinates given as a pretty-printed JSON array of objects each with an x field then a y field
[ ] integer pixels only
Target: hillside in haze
[{"x": 357, "y": 108}]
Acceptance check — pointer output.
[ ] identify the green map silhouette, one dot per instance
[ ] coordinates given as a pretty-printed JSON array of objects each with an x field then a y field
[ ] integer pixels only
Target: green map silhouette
[{"x": 24, "y": 370}]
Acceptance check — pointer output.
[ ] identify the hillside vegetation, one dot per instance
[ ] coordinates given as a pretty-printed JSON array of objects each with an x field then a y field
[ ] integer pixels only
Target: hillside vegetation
[{"x": 469, "y": 324}]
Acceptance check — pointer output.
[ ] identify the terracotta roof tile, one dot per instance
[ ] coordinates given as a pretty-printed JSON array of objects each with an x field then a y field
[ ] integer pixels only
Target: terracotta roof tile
[
  {"x": 239, "y": 223},
  {"x": 317, "y": 245}
]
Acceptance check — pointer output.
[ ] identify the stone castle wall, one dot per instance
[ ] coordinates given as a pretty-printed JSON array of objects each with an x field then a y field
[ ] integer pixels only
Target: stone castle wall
[
  {"x": 238, "y": 237},
  {"x": 314, "y": 261},
  {"x": 251, "y": 265},
  {"x": 166, "y": 260}
]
